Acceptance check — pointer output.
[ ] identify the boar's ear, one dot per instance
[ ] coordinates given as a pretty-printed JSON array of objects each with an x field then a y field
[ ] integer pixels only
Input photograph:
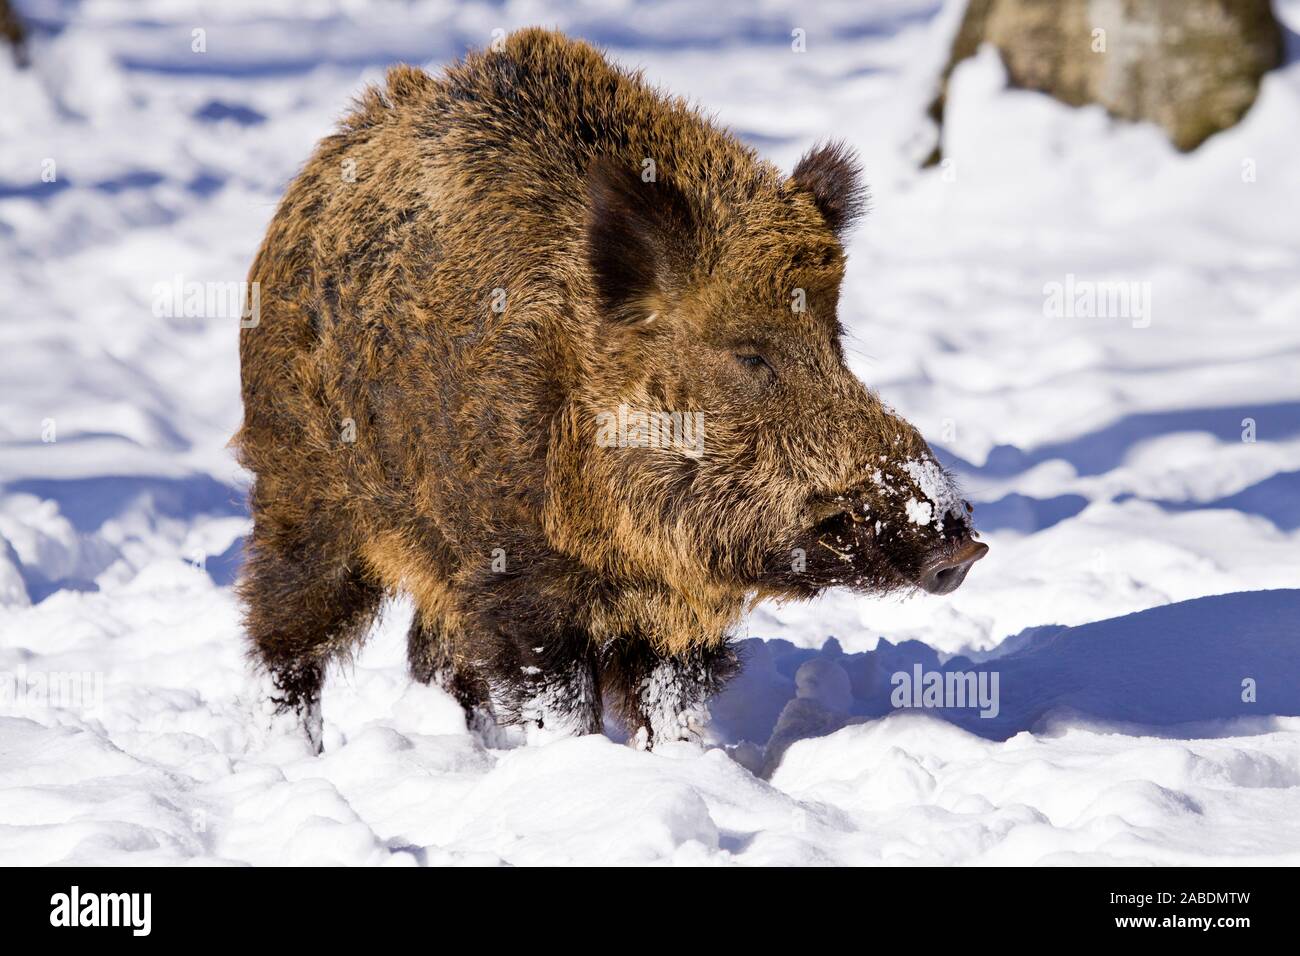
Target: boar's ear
[
  {"x": 832, "y": 173},
  {"x": 638, "y": 236}
]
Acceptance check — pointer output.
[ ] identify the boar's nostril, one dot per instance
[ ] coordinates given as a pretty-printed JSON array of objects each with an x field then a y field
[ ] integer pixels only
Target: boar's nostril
[{"x": 945, "y": 574}]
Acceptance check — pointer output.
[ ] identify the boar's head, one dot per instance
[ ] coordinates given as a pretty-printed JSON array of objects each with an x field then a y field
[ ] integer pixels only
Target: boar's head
[{"x": 731, "y": 434}]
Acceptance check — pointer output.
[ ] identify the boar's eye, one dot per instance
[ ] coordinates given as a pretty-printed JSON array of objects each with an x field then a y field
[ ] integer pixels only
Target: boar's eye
[{"x": 755, "y": 362}]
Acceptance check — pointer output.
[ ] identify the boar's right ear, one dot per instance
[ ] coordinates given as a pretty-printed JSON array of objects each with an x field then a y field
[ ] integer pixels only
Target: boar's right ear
[
  {"x": 832, "y": 173},
  {"x": 638, "y": 236}
]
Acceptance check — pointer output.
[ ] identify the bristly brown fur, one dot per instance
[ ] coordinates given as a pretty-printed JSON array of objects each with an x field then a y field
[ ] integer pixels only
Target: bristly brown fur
[
  {"x": 462, "y": 281},
  {"x": 833, "y": 174}
]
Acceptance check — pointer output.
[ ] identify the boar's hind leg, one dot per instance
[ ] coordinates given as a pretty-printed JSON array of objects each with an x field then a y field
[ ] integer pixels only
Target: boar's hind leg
[
  {"x": 661, "y": 696},
  {"x": 305, "y": 603}
]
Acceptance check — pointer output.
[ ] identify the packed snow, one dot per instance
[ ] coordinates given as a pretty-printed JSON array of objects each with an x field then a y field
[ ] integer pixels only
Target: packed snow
[{"x": 1135, "y": 471}]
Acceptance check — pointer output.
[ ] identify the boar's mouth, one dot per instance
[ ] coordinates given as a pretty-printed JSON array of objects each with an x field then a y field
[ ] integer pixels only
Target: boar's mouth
[
  {"x": 839, "y": 550},
  {"x": 845, "y": 549}
]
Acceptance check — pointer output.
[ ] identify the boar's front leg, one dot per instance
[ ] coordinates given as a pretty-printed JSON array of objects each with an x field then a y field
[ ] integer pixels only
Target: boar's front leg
[
  {"x": 548, "y": 682},
  {"x": 432, "y": 658},
  {"x": 662, "y": 696},
  {"x": 430, "y": 654}
]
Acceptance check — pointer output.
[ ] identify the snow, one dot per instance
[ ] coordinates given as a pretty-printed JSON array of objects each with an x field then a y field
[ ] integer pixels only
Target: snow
[
  {"x": 1136, "y": 475},
  {"x": 940, "y": 493},
  {"x": 918, "y": 512}
]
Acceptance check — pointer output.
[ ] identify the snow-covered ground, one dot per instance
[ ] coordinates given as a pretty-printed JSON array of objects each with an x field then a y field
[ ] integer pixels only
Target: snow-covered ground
[{"x": 1125, "y": 470}]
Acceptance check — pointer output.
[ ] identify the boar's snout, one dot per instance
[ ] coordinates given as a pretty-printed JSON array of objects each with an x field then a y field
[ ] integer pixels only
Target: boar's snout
[
  {"x": 883, "y": 554},
  {"x": 946, "y": 570}
]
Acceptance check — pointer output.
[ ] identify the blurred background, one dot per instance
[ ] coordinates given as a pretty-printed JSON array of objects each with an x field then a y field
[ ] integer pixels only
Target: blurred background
[{"x": 1080, "y": 278}]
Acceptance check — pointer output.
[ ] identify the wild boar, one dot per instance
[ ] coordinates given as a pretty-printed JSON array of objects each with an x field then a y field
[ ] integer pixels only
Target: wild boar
[{"x": 559, "y": 357}]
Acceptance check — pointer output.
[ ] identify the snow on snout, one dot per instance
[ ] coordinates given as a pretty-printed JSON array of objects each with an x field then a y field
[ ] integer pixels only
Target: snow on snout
[{"x": 940, "y": 493}]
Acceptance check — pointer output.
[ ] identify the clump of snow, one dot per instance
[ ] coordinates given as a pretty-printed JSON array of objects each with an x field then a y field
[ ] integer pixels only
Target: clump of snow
[
  {"x": 919, "y": 512},
  {"x": 941, "y": 495}
]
